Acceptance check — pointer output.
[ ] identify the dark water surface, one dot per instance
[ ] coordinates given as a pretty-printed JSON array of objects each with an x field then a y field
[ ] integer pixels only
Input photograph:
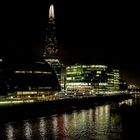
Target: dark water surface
[{"x": 97, "y": 123}]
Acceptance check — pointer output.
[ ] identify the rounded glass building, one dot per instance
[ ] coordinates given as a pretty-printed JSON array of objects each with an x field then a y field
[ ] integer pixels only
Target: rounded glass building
[{"x": 30, "y": 75}]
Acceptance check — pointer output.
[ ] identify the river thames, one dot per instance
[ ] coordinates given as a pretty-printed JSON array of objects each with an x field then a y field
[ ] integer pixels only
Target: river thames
[{"x": 94, "y": 123}]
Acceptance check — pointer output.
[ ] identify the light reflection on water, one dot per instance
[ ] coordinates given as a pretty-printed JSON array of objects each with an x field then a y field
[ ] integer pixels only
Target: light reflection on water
[
  {"x": 42, "y": 128},
  {"x": 93, "y": 123},
  {"x": 129, "y": 102},
  {"x": 10, "y": 132},
  {"x": 27, "y": 130}
]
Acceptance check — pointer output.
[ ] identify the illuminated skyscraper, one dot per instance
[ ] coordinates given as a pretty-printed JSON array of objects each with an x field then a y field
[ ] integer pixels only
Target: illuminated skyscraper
[
  {"x": 51, "y": 50},
  {"x": 51, "y": 45}
]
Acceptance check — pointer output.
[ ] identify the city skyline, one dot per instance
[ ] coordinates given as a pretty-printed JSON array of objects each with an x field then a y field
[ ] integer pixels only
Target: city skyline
[{"x": 97, "y": 33}]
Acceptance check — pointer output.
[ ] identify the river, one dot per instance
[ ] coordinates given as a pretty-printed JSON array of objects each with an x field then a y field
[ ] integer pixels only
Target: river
[{"x": 94, "y": 123}]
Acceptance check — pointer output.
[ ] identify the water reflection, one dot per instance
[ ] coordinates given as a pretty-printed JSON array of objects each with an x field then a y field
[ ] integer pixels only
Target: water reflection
[
  {"x": 74, "y": 116},
  {"x": 96, "y": 123},
  {"x": 129, "y": 102},
  {"x": 27, "y": 130},
  {"x": 54, "y": 122},
  {"x": 102, "y": 122},
  {"x": 10, "y": 132},
  {"x": 60, "y": 126},
  {"x": 42, "y": 128}
]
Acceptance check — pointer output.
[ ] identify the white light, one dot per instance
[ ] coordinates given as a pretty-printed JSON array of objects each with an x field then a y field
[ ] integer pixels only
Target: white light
[
  {"x": 51, "y": 12},
  {"x": 11, "y": 97}
]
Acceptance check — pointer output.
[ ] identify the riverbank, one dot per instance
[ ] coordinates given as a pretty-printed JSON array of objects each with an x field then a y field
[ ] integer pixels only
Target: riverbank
[{"x": 43, "y": 108}]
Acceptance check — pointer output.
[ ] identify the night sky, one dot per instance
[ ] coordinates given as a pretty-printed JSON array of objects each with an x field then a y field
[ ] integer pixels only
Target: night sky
[{"x": 88, "y": 32}]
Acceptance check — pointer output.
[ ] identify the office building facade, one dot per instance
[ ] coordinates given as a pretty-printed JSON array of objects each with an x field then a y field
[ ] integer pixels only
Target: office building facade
[{"x": 91, "y": 78}]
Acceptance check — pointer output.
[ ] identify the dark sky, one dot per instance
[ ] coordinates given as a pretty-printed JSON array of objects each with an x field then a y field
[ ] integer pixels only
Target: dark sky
[{"x": 87, "y": 31}]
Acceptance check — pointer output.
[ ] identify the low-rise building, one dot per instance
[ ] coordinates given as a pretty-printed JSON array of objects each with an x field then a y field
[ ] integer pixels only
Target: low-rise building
[{"x": 91, "y": 78}]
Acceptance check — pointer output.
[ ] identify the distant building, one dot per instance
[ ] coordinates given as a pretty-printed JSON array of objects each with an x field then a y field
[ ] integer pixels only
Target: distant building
[
  {"x": 133, "y": 88},
  {"x": 2, "y": 84},
  {"x": 51, "y": 51},
  {"x": 123, "y": 85},
  {"x": 91, "y": 78},
  {"x": 113, "y": 79}
]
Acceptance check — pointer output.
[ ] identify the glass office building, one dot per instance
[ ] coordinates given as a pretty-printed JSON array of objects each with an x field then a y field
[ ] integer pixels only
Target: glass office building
[
  {"x": 91, "y": 78},
  {"x": 29, "y": 75}
]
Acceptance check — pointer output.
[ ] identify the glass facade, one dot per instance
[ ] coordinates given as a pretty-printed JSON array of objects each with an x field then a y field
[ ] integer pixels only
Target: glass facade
[
  {"x": 56, "y": 65},
  {"x": 113, "y": 79},
  {"x": 91, "y": 78},
  {"x": 24, "y": 76}
]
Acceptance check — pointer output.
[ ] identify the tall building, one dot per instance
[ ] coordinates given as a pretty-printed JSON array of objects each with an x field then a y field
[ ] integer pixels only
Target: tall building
[
  {"x": 51, "y": 51},
  {"x": 51, "y": 45}
]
